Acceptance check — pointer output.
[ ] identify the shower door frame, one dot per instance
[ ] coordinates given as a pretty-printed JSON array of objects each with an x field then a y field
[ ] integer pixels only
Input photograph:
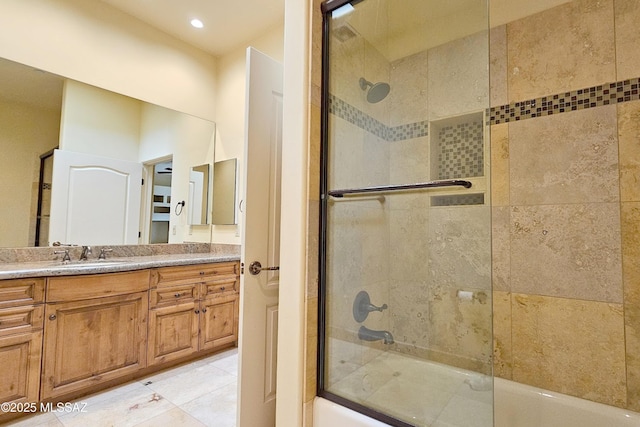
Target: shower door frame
[{"x": 327, "y": 7}]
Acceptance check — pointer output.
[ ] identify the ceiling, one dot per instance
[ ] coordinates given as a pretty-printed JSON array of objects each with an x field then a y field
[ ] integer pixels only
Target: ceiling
[{"x": 227, "y": 23}]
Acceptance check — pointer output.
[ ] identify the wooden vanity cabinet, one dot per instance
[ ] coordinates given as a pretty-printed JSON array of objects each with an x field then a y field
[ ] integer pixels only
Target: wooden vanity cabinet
[
  {"x": 193, "y": 308},
  {"x": 95, "y": 330},
  {"x": 21, "y": 317}
]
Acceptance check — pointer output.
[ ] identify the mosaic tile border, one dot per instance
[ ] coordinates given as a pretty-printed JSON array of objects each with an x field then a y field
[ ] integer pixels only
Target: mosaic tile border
[
  {"x": 595, "y": 96},
  {"x": 359, "y": 118},
  {"x": 565, "y": 102},
  {"x": 354, "y": 116}
]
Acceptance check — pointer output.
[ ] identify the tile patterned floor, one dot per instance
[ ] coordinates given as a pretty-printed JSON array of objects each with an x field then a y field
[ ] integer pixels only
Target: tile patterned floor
[{"x": 201, "y": 393}]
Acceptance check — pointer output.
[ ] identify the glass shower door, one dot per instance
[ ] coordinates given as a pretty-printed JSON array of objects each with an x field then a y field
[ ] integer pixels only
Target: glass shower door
[{"x": 405, "y": 333}]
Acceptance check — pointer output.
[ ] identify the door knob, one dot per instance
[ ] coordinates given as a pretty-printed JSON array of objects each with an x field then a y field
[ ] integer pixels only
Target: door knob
[{"x": 255, "y": 268}]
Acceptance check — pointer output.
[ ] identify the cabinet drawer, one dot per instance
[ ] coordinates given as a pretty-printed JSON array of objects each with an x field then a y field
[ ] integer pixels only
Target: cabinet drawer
[
  {"x": 73, "y": 288},
  {"x": 21, "y": 292},
  {"x": 221, "y": 285},
  {"x": 15, "y": 320},
  {"x": 171, "y": 295},
  {"x": 187, "y": 274}
]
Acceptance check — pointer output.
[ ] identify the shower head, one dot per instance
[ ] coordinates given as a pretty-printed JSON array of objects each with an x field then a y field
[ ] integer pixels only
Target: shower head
[{"x": 377, "y": 92}]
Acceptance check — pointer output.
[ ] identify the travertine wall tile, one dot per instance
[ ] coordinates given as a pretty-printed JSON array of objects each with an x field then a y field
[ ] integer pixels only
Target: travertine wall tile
[
  {"x": 313, "y": 249},
  {"x": 627, "y": 16},
  {"x": 316, "y": 43},
  {"x": 499, "y": 165},
  {"x": 459, "y": 259},
  {"x": 565, "y": 158},
  {"x": 408, "y": 249},
  {"x": 568, "y": 47},
  {"x": 409, "y": 162},
  {"x": 502, "y": 364},
  {"x": 459, "y": 243},
  {"x": 313, "y": 167},
  {"x": 574, "y": 347},
  {"x": 460, "y": 329},
  {"x": 501, "y": 248},
  {"x": 345, "y": 69},
  {"x": 498, "y": 65},
  {"x": 311, "y": 349},
  {"x": 630, "y": 218},
  {"x": 376, "y": 69},
  {"x": 409, "y": 84},
  {"x": 629, "y": 147},
  {"x": 345, "y": 154},
  {"x": 459, "y": 77},
  {"x": 570, "y": 251},
  {"x": 409, "y": 311}
]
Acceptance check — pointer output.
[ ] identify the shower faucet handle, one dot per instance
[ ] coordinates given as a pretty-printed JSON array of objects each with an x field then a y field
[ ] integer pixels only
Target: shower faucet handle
[
  {"x": 372, "y": 307},
  {"x": 362, "y": 307}
]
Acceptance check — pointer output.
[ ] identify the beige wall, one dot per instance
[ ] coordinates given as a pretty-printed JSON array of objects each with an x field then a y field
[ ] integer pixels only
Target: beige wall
[
  {"x": 26, "y": 132},
  {"x": 93, "y": 43},
  {"x": 230, "y": 104},
  {"x": 99, "y": 122}
]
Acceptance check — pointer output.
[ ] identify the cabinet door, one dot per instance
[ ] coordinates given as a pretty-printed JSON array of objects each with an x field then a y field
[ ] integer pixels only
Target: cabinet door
[
  {"x": 20, "y": 367},
  {"x": 218, "y": 321},
  {"x": 173, "y": 332},
  {"x": 93, "y": 341}
]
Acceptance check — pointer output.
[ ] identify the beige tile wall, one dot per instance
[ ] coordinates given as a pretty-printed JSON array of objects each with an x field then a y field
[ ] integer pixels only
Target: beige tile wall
[{"x": 565, "y": 257}]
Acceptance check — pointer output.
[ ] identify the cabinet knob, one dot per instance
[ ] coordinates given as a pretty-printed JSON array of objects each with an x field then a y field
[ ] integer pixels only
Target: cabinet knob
[
  {"x": 204, "y": 310},
  {"x": 52, "y": 317},
  {"x": 178, "y": 295},
  {"x": 197, "y": 311},
  {"x": 222, "y": 288}
]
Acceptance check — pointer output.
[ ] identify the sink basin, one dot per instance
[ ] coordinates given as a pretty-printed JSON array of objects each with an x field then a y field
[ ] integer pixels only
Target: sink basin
[{"x": 89, "y": 264}]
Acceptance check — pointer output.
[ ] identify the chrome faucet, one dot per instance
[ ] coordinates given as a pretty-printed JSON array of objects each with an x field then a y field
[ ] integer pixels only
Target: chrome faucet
[
  {"x": 86, "y": 250},
  {"x": 103, "y": 253},
  {"x": 66, "y": 258},
  {"x": 367, "y": 334}
]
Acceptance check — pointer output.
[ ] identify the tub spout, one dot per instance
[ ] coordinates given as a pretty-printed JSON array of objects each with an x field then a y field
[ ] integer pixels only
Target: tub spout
[{"x": 367, "y": 334}]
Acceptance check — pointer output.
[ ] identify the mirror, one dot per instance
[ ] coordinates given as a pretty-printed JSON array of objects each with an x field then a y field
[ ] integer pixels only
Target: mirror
[
  {"x": 199, "y": 194},
  {"x": 224, "y": 192},
  {"x": 40, "y": 112}
]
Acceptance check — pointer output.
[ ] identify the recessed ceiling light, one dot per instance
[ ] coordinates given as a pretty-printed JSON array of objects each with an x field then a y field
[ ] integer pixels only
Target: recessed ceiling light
[{"x": 196, "y": 23}]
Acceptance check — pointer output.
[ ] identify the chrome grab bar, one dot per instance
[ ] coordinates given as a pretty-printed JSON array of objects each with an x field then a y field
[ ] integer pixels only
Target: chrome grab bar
[{"x": 401, "y": 187}]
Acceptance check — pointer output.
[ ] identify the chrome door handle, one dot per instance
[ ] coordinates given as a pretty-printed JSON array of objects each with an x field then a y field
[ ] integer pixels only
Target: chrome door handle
[{"x": 255, "y": 268}]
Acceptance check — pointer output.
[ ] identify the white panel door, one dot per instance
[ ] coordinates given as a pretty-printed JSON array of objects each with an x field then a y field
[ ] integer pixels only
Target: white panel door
[
  {"x": 260, "y": 242},
  {"x": 94, "y": 200}
]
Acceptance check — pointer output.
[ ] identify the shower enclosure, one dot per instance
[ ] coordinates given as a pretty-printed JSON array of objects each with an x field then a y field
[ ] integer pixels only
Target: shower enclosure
[{"x": 405, "y": 265}]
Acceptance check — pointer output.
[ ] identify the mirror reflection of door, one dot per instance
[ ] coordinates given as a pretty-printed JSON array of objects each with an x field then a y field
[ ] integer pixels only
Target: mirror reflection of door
[
  {"x": 44, "y": 200},
  {"x": 161, "y": 202}
]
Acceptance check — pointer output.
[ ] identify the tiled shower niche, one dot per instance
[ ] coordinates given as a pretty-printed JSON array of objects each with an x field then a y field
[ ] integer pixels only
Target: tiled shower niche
[
  {"x": 458, "y": 151},
  {"x": 457, "y": 147}
]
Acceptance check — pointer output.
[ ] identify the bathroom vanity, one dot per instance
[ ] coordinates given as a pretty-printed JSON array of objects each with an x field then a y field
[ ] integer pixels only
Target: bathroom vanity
[{"x": 72, "y": 330}]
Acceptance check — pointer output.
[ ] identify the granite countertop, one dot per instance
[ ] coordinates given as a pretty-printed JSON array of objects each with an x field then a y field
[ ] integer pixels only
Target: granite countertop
[{"x": 110, "y": 265}]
